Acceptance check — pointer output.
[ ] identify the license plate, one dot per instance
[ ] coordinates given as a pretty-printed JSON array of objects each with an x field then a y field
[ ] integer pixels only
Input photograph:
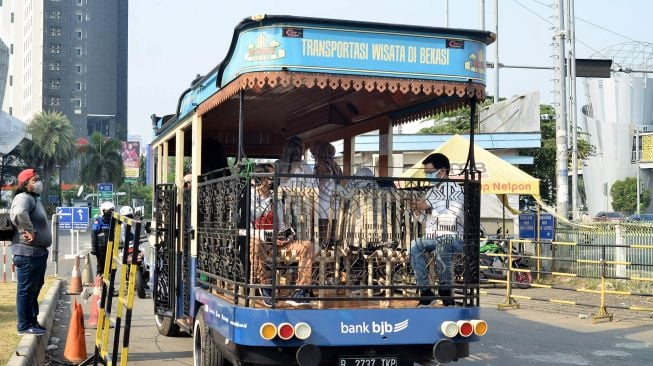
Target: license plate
[{"x": 368, "y": 361}]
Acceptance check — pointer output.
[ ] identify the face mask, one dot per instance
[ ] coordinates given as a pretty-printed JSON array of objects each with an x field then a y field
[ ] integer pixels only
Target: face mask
[
  {"x": 431, "y": 175},
  {"x": 37, "y": 187}
]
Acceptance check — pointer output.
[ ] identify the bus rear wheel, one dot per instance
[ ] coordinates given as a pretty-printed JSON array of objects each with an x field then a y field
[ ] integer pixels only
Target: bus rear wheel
[
  {"x": 205, "y": 351},
  {"x": 166, "y": 326}
]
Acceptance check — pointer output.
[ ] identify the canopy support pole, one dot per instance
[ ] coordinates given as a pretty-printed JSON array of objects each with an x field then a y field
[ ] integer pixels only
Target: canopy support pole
[{"x": 241, "y": 119}]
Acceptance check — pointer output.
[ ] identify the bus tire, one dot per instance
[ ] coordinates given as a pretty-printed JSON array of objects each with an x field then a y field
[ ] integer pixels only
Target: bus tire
[
  {"x": 166, "y": 326},
  {"x": 205, "y": 351}
]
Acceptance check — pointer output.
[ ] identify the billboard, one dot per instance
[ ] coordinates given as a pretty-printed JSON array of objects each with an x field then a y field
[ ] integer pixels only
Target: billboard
[{"x": 131, "y": 158}]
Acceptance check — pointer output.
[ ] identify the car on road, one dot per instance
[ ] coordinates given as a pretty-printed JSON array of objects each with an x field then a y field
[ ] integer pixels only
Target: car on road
[
  {"x": 640, "y": 218},
  {"x": 609, "y": 216}
]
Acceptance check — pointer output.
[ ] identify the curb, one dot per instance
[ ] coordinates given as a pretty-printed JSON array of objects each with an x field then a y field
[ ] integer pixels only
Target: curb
[{"x": 31, "y": 349}]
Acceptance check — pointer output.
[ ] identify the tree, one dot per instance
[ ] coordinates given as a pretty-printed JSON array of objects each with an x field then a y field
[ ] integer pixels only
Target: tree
[
  {"x": 52, "y": 145},
  {"x": 102, "y": 161},
  {"x": 624, "y": 196},
  {"x": 456, "y": 121}
]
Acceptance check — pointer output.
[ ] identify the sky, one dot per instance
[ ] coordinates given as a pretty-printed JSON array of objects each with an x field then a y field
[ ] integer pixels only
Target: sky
[{"x": 171, "y": 41}]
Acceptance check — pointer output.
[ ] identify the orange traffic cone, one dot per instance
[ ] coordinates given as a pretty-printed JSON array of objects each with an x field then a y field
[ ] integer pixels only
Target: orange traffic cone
[
  {"x": 75, "y": 350},
  {"x": 87, "y": 271},
  {"x": 75, "y": 287},
  {"x": 95, "y": 302}
]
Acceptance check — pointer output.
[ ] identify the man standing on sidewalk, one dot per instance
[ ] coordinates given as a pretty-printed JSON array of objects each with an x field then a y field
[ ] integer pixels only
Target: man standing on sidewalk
[
  {"x": 29, "y": 248},
  {"x": 100, "y": 235}
]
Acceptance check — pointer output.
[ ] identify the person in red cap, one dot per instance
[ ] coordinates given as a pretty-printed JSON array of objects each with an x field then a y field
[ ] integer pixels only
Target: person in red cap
[{"x": 29, "y": 248}]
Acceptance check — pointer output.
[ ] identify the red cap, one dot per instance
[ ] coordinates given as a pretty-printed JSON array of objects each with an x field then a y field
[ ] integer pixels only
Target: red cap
[{"x": 26, "y": 175}]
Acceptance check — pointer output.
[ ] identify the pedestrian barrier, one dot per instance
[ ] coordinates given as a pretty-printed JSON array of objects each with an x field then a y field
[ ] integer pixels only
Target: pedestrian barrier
[
  {"x": 5, "y": 266},
  {"x": 105, "y": 353},
  {"x": 569, "y": 259}
]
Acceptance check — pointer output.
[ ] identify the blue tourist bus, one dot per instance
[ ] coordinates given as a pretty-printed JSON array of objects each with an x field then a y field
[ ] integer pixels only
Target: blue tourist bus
[{"x": 288, "y": 79}]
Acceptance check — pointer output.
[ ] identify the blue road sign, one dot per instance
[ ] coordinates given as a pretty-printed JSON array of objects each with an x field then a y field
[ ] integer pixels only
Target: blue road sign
[
  {"x": 527, "y": 226},
  {"x": 105, "y": 187},
  {"x": 65, "y": 218},
  {"x": 80, "y": 218}
]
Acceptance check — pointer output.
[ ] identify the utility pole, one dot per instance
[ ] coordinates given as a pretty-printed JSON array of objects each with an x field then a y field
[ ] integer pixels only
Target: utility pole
[
  {"x": 562, "y": 188},
  {"x": 573, "y": 106},
  {"x": 446, "y": 13},
  {"x": 637, "y": 158},
  {"x": 496, "y": 51},
  {"x": 482, "y": 14}
]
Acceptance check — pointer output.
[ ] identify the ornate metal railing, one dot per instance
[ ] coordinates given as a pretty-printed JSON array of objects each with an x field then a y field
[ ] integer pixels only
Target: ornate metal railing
[{"x": 165, "y": 202}]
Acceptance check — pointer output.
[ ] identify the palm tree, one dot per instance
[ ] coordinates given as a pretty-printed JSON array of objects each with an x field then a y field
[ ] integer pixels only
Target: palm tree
[
  {"x": 101, "y": 161},
  {"x": 52, "y": 144}
]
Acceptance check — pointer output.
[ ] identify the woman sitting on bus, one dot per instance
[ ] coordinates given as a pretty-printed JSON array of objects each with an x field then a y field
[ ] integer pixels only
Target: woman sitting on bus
[
  {"x": 292, "y": 162},
  {"x": 262, "y": 216},
  {"x": 324, "y": 153}
]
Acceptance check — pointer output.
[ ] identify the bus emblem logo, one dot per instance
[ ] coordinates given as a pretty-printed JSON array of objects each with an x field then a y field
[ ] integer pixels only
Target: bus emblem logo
[
  {"x": 264, "y": 50},
  {"x": 379, "y": 328}
]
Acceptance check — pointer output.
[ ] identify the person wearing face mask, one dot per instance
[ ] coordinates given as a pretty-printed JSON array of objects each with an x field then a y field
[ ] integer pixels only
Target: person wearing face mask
[
  {"x": 29, "y": 248},
  {"x": 100, "y": 235},
  {"x": 441, "y": 213}
]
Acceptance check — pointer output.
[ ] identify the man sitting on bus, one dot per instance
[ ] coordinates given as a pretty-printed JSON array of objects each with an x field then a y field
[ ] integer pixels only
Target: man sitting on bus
[
  {"x": 441, "y": 212},
  {"x": 262, "y": 217}
]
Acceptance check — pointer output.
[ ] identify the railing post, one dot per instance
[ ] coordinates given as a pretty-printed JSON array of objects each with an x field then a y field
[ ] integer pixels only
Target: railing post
[
  {"x": 603, "y": 311},
  {"x": 509, "y": 301},
  {"x": 54, "y": 229}
]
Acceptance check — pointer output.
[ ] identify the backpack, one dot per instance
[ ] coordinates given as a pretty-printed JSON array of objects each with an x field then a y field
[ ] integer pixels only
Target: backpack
[{"x": 7, "y": 228}]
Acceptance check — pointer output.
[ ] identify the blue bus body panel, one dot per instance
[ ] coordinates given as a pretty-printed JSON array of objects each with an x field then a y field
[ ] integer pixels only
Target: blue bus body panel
[{"x": 334, "y": 327}]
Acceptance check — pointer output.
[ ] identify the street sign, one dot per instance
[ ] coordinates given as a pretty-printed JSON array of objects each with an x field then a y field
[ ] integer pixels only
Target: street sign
[
  {"x": 65, "y": 217},
  {"x": 105, "y": 187},
  {"x": 527, "y": 226},
  {"x": 80, "y": 218},
  {"x": 105, "y": 192}
]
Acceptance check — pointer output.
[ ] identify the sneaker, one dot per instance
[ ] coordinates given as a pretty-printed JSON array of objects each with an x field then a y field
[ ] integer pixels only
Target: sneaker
[
  {"x": 299, "y": 298},
  {"x": 31, "y": 331},
  {"x": 266, "y": 293},
  {"x": 426, "y": 302},
  {"x": 39, "y": 326}
]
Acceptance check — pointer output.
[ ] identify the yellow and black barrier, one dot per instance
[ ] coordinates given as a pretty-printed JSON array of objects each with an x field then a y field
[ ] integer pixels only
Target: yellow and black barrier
[
  {"x": 510, "y": 300},
  {"x": 105, "y": 353}
]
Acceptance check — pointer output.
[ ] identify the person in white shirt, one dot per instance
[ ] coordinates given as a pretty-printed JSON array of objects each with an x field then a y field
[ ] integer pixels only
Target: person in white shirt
[{"x": 441, "y": 212}]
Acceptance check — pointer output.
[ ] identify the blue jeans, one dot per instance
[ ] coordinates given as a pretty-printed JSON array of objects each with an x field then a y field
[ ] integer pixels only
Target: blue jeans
[
  {"x": 420, "y": 250},
  {"x": 30, "y": 274}
]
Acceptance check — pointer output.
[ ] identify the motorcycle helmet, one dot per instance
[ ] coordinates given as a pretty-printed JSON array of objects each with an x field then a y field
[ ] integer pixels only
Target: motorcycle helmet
[
  {"x": 126, "y": 211},
  {"x": 107, "y": 206}
]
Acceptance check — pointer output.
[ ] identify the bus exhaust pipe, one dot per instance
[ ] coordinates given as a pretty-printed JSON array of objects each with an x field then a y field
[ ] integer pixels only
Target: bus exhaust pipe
[
  {"x": 308, "y": 355},
  {"x": 445, "y": 351}
]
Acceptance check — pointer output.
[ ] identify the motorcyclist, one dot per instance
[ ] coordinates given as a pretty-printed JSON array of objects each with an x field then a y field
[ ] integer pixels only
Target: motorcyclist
[
  {"x": 100, "y": 235},
  {"x": 126, "y": 211}
]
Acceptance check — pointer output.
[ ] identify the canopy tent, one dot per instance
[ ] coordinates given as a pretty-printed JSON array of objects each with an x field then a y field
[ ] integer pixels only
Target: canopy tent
[{"x": 497, "y": 176}]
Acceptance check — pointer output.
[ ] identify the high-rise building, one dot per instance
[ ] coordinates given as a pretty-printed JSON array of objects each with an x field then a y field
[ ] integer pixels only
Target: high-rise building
[{"x": 68, "y": 56}]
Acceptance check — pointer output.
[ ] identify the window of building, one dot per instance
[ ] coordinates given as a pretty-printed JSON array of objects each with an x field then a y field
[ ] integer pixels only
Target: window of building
[
  {"x": 78, "y": 68},
  {"x": 78, "y": 51},
  {"x": 55, "y": 14},
  {"x": 78, "y": 34},
  {"x": 80, "y": 17},
  {"x": 78, "y": 86},
  {"x": 55, "y": 31},
  {"x": 11, "y": 49},
  {"x": 12, "y": 17},
  {"x": 54, "y": 66},
  {"x": 80, "y": 2},
  {"x": 55, "y": 84},
  {"x": 54, "y": 101},
  {"x": 11, "y": 80},
  {"x": 11, "y": 111},
  {"x": 55, "y": 48}
]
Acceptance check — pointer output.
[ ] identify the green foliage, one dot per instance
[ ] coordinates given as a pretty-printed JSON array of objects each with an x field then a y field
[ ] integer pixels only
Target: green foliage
[
  {"x": 624, "y": 195},
  {"x": 102, "y": 161},
  {"x": 136, "y": 191},
  {"x": 52, "y": 145},
  {"x": 454, "y": 122}
]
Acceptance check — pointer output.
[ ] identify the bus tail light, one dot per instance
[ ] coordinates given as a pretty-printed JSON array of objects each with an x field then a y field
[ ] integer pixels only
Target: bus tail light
[
  {"x": 480, "y": 327},
  {"x": 465, "y": 328},
  {"x": 268, "y": 331},
  {"x": 302, "y": 331},
  {"x": 449, "y": 329},
  {"x": 286, "y": 331}
]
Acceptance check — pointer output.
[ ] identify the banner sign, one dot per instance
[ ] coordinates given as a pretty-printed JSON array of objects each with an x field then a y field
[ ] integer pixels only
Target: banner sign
[
  {"x": 131, "y": 158},
  {"x": 527, "y": 228}
]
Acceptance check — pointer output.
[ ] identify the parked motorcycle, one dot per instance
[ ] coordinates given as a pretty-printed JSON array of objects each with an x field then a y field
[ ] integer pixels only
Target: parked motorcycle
[
  {"x": 497, "y": 265},
  {"x": 143, "y": 269}
]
